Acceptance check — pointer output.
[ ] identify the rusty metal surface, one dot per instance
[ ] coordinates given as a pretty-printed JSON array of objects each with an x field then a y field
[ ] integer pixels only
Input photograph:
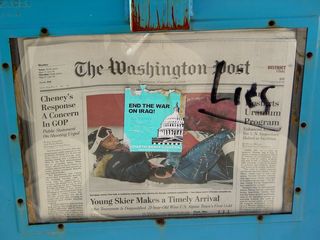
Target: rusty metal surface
[{"x": 148, "y": 15}]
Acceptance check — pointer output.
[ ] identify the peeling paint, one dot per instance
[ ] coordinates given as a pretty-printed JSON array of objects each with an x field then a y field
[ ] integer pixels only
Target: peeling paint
[{"x": 160, "y": 15}]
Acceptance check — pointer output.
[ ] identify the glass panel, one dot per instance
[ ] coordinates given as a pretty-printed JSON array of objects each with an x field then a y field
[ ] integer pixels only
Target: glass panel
[{"x": 159, "y": 125}]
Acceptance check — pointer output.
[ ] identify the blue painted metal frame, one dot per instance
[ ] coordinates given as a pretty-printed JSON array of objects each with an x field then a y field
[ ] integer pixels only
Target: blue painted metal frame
[{"x": 23, "y": 18}]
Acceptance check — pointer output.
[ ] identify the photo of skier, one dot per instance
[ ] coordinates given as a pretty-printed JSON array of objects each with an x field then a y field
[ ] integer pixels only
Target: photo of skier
[
  {"x": 207, "y": 155},
  {"x": 211, "y": 159}
]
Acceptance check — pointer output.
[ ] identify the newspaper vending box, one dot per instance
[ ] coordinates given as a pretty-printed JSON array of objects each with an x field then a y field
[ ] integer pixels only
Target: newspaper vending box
[{"x": 159, "y": 119}]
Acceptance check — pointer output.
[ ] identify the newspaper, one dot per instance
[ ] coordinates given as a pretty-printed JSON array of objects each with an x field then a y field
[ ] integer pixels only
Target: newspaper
[{"x": 235, "y": 89}]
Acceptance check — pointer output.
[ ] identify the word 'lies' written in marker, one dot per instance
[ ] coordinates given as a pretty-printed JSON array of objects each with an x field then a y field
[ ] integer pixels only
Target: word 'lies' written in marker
[{"x": 252, "y": 92}]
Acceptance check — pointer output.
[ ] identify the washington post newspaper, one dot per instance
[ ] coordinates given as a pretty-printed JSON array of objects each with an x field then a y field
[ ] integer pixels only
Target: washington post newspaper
[{"x": 157, "y": 124}]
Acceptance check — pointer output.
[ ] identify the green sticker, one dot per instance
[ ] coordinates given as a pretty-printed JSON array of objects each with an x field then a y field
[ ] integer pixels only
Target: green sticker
[{"x": 152, "y": 121}]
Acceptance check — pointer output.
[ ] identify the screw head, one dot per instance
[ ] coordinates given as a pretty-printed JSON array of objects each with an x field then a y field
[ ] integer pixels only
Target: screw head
[
  {"x": 303, "y": 125},
  {"x": 271, "y": 23},
  {"x": 5, "y": 65},
  {"x": 60, "y": 226},
  {"x": 44, "y": 31},
  {"x": 309, "y": 55}
]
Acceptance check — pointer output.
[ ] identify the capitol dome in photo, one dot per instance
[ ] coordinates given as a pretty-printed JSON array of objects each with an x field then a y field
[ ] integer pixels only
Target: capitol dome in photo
[{"x": 171, "y": 129}]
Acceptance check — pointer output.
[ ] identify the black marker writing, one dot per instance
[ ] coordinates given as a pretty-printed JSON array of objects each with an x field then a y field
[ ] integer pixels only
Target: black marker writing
[
  {"x": 264, "y": 98},
  {"x": 236, "y": 120},
  {"x": 237, "y": 94},
  {"x": 216, "y": 81},
  {"x": 252, "y": 92}
]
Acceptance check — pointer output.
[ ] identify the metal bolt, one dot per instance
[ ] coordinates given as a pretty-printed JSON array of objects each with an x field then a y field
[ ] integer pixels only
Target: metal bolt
[
  {"x": 160, "y": 221},
  {"x": 271, "y": 23},
  {"x": 13, "y": 137},
  {"x": 260, "y": 217},
  {"x": 44, "y": 31},
  {"x": 20, "y": 201},
  {"x": 298, "y": 189},
  {"x": 303, "y": 125},
  {"x": 5, "y": 65},
  {"x": 60, "y": 226},
  {"x": 309, "y": 55}
]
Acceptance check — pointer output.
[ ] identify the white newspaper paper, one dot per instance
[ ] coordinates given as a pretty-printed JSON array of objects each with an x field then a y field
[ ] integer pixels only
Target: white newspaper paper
[{"x": 74, "y": 85}]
